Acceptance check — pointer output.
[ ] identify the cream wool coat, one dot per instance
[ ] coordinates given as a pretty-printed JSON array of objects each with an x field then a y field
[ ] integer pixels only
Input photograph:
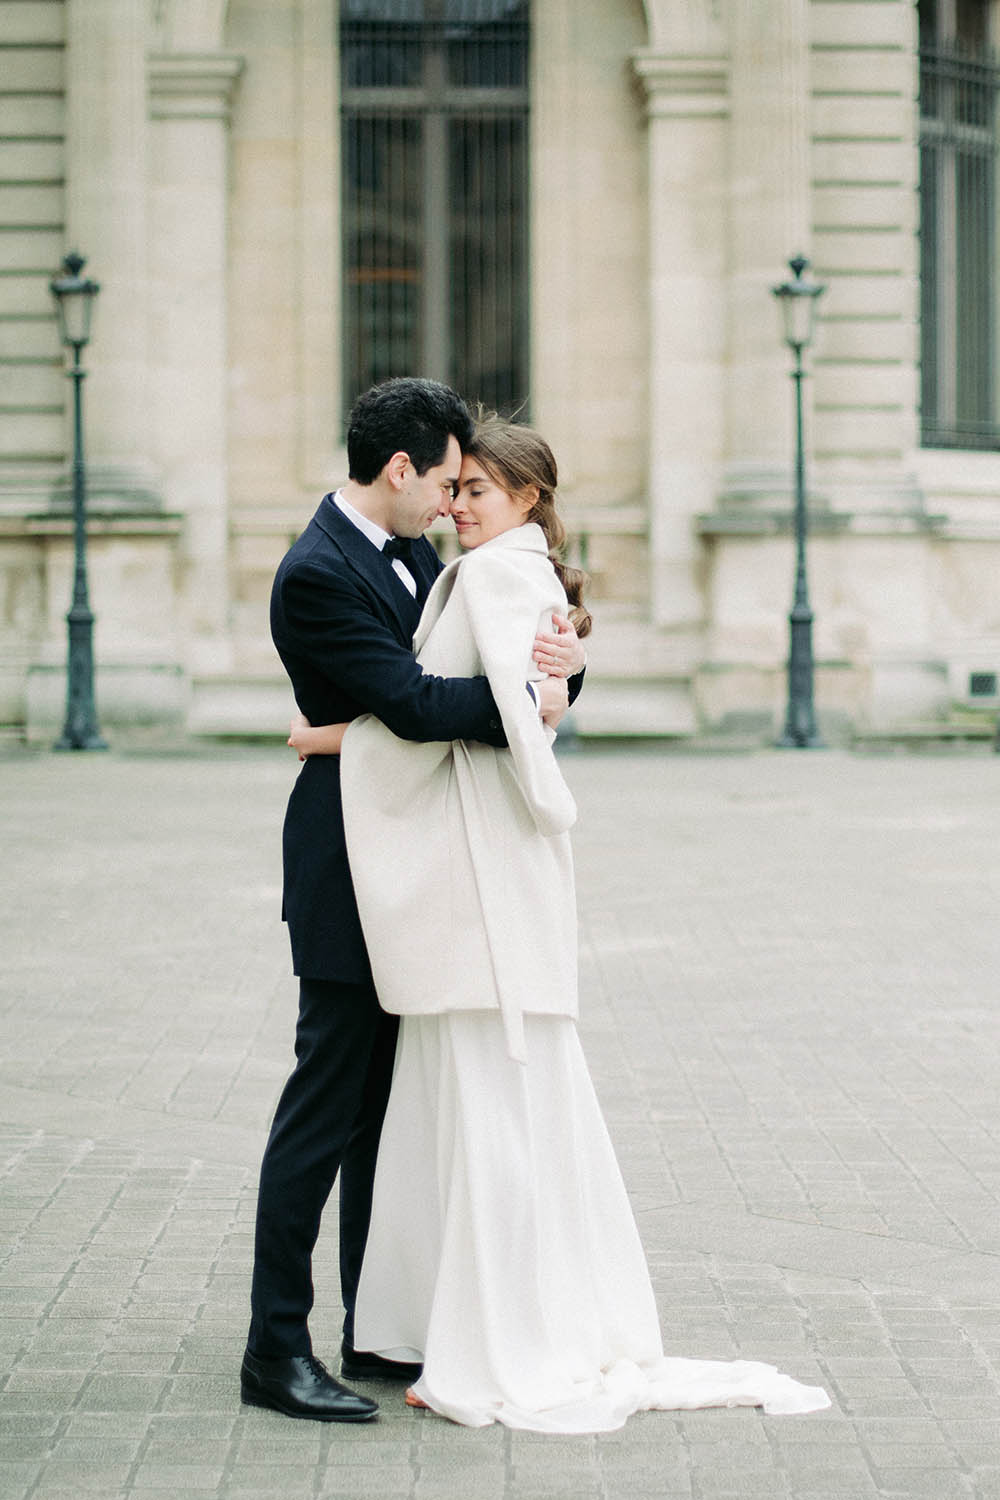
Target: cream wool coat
[{"x": 459, "y": 852}]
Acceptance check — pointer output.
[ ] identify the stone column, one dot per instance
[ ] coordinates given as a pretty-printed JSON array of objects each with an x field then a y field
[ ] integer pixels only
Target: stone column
[
  {"x": 189, "y": 102},
  {"x": 769, "y": 223},
  {"x": 686, "y": 106},
  {"x": 106, "y": 201}
]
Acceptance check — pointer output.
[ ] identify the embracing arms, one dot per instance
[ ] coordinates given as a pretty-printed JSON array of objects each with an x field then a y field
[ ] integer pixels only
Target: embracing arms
[
  {"x": 345, "y": 659},
  {"x": 559, "y": 653}
]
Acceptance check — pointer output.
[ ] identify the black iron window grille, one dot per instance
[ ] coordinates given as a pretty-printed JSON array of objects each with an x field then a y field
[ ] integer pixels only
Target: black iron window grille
[
  {"x": 434, "y": 105},
  {"x": 959, "y": 90}
]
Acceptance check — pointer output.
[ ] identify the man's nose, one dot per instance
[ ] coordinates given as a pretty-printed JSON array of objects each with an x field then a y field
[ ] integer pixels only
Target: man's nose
[{"x": 444, "y": 508}]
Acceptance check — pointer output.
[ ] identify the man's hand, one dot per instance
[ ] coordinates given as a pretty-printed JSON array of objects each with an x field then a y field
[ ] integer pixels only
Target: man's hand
[
  {"x": 553, "y": 699},
  {"x": 560, "y": 655}
]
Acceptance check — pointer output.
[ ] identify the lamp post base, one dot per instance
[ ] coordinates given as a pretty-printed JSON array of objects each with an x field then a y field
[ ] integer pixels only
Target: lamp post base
[
  {"x": 80, "y": 742},
  {"x": 80, "y": 728},
  {"x": 791, "y": 742},
  {"x": 800, "y": 732}
]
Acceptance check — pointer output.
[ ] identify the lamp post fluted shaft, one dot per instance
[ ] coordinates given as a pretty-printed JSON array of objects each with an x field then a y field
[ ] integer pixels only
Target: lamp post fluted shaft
[
  {"x": 81, "y": 731},
  {"x": 800, "y": 719}
]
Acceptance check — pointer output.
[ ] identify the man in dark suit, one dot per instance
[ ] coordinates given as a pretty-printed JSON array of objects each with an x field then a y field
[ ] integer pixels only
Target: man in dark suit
[{"x": 345, "y": 604}]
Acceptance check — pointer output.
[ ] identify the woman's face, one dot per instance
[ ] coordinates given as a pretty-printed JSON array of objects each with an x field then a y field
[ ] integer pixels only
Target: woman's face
[{"x": 481, "y": 509}]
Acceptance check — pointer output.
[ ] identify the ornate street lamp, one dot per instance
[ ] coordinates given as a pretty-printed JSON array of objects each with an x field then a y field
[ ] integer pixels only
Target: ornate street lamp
[
  {"x": 797, "y": 300},
  {"x": 75, "y": 294}
]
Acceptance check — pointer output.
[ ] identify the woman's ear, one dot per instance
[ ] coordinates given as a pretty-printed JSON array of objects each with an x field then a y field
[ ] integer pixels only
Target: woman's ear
[{"x": 527, "y": 499}]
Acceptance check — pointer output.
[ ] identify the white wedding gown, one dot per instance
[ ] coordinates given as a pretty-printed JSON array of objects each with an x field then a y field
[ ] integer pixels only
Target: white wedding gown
[{"x": 503, "y": 1251}]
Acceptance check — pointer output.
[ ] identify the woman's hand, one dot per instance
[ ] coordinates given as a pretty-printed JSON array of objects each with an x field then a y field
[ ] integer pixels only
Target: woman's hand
[
  {"x": 561, "y": 654},
  {"x": 321, "y": 739},
  {"x": 295, "y": 734}
]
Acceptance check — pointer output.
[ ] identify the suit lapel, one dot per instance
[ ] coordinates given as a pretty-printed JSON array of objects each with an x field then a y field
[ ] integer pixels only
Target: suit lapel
[
  {"x": 425, "y": 567},
  {"x": 366, "y": 559}
]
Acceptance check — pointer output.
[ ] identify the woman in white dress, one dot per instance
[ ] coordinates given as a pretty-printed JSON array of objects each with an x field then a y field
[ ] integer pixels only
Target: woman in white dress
[{"x": 502, "y": 1253}]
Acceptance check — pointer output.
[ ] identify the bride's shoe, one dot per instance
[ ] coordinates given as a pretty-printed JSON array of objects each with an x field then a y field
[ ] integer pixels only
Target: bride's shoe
[{"x": 412, "y": 1399}]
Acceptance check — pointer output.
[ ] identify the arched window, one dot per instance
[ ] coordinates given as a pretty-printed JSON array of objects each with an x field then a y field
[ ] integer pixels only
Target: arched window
[
  {"x": 434, "y": 101},
  {"x": 960, "y": 339}
]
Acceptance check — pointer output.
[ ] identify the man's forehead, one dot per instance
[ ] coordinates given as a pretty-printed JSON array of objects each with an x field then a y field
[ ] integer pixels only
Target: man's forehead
[{"x": 453, "y": 458}]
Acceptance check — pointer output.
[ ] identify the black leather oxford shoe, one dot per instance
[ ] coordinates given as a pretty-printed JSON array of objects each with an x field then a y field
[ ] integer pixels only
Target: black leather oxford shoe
[
  {"x": 361, "y": 1364},
  {"x": 301, "y": 1386}
]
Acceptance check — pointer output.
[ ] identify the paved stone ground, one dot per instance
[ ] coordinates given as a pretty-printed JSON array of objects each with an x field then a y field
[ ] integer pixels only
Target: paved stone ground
[{"x": 791, "y": 966}]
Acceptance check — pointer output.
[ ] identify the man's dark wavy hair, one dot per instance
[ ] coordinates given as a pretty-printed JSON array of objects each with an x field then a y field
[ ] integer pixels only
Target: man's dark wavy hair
[{"x": 404, "y": 415}]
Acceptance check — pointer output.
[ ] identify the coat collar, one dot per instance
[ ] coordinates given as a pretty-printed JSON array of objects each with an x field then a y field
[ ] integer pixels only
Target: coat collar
[{"x": 527, "y": 538}]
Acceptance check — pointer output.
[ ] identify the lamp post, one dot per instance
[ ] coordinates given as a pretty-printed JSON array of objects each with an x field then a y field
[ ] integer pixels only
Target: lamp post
[
  {"x": 75, "y": 294},
  {"x": 797, "y": 299}
]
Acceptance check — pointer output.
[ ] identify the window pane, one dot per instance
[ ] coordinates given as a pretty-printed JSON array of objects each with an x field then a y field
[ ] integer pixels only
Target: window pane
[
  {"x": 959, "y": 89},
  {"x": 974, "y": 334},
  {"x": 380, "y": 43},
  {"x": 928, "y": 288},
  {"x": 489, "y": 260},
  {"x": 487, "y": 43},
  {"x": 380, "y": 56},
  {"x": 411, "y": 11},
  {"x": 972, "y": 23},
  {"x": 382, "y": 247},
  {"x": 434, "y": 106}
]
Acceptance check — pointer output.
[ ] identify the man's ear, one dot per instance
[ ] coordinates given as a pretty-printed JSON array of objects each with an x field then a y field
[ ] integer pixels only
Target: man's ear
[{"x": 395, "y": 470}]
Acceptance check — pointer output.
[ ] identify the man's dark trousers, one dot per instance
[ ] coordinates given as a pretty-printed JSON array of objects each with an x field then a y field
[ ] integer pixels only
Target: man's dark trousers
[{"x": 329, "y": 1118}]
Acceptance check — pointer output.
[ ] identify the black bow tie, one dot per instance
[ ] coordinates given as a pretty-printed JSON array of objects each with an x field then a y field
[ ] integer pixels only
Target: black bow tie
[{"x": 398, "y": 546}]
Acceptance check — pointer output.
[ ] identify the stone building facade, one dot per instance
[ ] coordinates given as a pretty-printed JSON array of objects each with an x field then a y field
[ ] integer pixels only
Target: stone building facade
[{"x": 680, "y": 152}]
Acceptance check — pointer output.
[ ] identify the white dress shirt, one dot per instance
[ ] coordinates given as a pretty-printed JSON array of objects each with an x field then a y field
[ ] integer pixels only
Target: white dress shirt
[{"x": 377, "y": 537}]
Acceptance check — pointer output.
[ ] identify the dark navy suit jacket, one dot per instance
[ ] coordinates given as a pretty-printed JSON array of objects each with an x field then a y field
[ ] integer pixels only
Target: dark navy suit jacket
[{"x": 343, "y": 623}]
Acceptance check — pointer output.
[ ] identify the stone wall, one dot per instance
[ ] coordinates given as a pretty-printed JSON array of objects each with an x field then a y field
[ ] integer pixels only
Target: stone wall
[
  {"x": 889, "y": 619},
  {"x": 32, "y": 384},
  {"x": 681, "y": 152}
]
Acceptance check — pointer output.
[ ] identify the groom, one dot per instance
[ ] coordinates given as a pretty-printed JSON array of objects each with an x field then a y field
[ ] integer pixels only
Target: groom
[{"x": 345, "y": 604}]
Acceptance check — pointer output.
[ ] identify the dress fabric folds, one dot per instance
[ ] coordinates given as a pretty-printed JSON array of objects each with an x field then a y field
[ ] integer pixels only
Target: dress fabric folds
[{"x": 503, "y": 1251}]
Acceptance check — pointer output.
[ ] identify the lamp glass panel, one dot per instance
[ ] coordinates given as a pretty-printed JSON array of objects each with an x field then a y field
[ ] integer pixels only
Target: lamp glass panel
[
  {"x": 75, "y": 308},
  {"x": 797, "y": 310}
]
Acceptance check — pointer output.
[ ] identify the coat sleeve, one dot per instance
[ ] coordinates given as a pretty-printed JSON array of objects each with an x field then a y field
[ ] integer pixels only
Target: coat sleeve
[
  {"x": 504, "y": 597},
  {"x": 329, "y": 622}
]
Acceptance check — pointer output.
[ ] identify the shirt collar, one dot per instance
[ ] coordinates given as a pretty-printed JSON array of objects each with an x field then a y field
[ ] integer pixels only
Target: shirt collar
[{"x": 374, "y": 533}]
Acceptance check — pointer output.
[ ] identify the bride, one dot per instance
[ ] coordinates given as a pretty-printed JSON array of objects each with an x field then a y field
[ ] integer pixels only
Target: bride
[{"x": 502, "y": 1253}]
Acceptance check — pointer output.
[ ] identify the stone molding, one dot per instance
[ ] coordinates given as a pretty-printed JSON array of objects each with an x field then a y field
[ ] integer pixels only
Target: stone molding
[
  {"x": 681, "y": 87},
  {"x": 822, "y": 522},
  {"x": 192, "y": 85},
  {"x": 112, "y": 488},
  {"x": 164, "y": 524}
]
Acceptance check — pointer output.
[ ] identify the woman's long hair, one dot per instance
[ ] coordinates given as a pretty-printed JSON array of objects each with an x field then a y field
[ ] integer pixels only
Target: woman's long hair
[{"x": 519, "y": 459}]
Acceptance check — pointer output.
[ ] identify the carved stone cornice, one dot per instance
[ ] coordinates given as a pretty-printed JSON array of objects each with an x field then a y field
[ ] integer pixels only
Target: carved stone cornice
[
  {"x": 678, "y": 86},
  {"x": 192, "y": 85}
]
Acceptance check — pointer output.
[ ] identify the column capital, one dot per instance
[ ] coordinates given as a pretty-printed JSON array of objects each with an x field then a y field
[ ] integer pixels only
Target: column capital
[
  {"x": 192, "y": 85},
  {"x": 681, "y": 85}
]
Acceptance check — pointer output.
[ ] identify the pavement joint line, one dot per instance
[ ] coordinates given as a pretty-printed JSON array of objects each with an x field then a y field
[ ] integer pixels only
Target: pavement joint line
[{"x": 786, "y": 1003}]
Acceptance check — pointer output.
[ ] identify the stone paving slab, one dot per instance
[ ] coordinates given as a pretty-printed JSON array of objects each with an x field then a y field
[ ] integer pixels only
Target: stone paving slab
[{"x": 790, "y": 971}]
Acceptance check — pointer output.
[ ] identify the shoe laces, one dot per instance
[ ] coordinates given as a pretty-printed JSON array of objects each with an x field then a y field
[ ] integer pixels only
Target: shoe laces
[{"x": 317, "y": 1369}]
